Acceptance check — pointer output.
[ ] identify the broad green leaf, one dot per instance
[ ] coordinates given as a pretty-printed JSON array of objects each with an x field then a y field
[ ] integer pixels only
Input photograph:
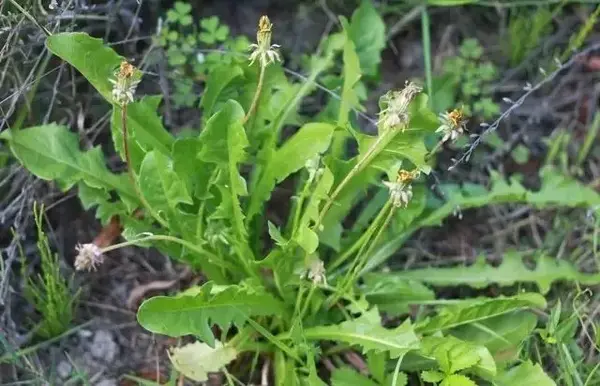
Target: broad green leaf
[
  {"x": 479, "y": 311},
  {"x": 524, "y": 374},
  {"x": 160, "y": 185},
  {"x": 51, "y": 152},
  {"x": 217, "y": 81},
  {"x": 196, "y": 360},
  {"x": 227, "y": 151},
  {"x": 354, "y": 191},
  {"x": 281, "y": 115},
  {"x": 347, "y": 376},
  {"x": 376, "y": 363},
  {"x": 367, "y": 332},
  {"x": 367, "y": 31},
  {"x": 310, "y": 141},
  {"x": 457, "y": 380},
  {"x": 305, "y": 236},
  {"x": 100, "y": 198},
  {"x": 503, "y": 335},
  {"x": 96, "y": 61},
  {"x": 194, "y": 312},
  {"x": 284, "y": 370},
  {"x": 145, "y": 130},
  {"x": 394, "y": 295},
  {"x": 351, "y": 75},
  {"x": 512, "y": 270},
  {"x": 454, "y": 355}
]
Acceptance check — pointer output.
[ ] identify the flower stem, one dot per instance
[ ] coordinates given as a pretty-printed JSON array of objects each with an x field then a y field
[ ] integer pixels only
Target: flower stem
[
  {"x": 363, "y": 239},
  {"x": 434, "y": 150},
  {"x": 172, "y": 239},
  {"x": 261, "y": 77},
  {"x": 307, "y": 302},
  {"x": 371, "y": 153},
  {"x": 364, "y": 252},
  {"x": 131, "y": 173}
]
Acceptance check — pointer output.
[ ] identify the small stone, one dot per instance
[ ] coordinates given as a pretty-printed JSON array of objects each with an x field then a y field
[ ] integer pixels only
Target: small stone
[
  {"x": 64, "y": 369},
  {"x": 85, "y": 333},
  {"x": 104, "y": 347},
  {"x": 106, "y": 382}
]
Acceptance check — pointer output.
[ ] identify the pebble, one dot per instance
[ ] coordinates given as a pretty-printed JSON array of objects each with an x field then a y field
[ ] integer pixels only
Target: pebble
[
  {"x": 64, "y": 369},
  {"x": 106, "y": 382},
  {"x": 104, "y": 346}
]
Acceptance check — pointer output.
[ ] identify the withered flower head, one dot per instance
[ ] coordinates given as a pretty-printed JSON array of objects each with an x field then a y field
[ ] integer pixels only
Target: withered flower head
[
  {"x": 125, "y": 83},
  {"x": 263, "y": 50},
  {"x": 88, "y": 257},
  {"x": 394, "y": 107}
]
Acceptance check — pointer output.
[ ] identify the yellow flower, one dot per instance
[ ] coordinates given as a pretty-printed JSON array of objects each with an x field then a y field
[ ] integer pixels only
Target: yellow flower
[
  {"x": 264, "y": 51},
  {"x": 401, "y": 189},
  {"x": 452, "y": 124}
]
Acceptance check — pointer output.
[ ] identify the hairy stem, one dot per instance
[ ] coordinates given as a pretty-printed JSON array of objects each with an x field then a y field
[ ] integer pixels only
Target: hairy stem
[
  {"x": 261, "y": 77},
  {"x": 131, "y": 173}
]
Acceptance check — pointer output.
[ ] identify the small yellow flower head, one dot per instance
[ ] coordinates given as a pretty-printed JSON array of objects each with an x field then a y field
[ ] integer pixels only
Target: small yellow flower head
[
  {"x": 394, "y": 107},
  {"x": 88, "y": 257},
  {"x": 263, "y": 50},
  {"x": 401, "y": 189},
  {"x": 125, "y": 83},
  {"x": 452, "y": 124}
]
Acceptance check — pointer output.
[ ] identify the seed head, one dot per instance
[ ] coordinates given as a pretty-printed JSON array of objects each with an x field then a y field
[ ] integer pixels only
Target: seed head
[
  {"x": 452, "y": 124},
  {"x": 125, "y": 83},
  {"x": 88, "y": 256},
  {"x": 316, "y": 272},
  {"x": 401, "y": 189},
  {"x": 263, "y": 50},
  {"x": 394, "y": 107}
]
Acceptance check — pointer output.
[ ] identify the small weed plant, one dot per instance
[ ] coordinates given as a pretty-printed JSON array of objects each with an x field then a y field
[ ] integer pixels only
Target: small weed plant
[
  {"x": 50, "y": 293},
  {"x": 289, "y": 214},
  {"x": 467, "y": 78},
  {"x": 194, "y": 49}
]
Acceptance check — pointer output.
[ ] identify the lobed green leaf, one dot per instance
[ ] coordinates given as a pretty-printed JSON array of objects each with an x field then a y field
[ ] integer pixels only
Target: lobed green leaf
[
  {"x": 454, "y": 316},
  {"x": 194, "y": 311},
  {"x": 512, "y": 270},
  {"x": 367, "y": 332},
  {"x": 51, "y": 152}
]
